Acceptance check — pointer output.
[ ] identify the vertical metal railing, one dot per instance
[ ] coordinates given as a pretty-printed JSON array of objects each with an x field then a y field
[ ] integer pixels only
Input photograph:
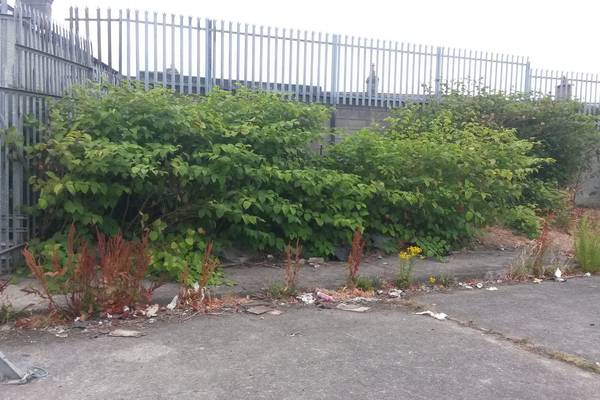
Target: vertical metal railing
[
  {"x": 38, "y": 61},
  {"x": 193, "y": 55}
]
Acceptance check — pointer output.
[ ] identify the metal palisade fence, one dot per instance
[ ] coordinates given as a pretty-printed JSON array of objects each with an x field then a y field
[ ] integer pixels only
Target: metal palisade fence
[
  {"x": 38, "y": 61},
  {"x": 192, "y": 55}
]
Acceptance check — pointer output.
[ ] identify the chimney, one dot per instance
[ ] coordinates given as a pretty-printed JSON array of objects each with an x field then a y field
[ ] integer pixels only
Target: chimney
[{"x": 43, "y": 6}]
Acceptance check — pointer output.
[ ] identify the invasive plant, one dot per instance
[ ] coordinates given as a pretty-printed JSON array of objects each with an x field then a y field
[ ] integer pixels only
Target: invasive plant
[
  {"x": 535, "y": 259},
  {"x": 106, "y": 278},
  {"x": 369, "y": 284},
  {"x": 587, "y": 244},
  {"x": 405, "y": 278},
  {"x": 292, "y": 267},
  {"x": 436, "y": 183},
  {"x": 198, "y": 295},
  {"x": 355, "y": 258},
  {"x": 238, "y": 164},
  {"x": 559, "y": 129}
]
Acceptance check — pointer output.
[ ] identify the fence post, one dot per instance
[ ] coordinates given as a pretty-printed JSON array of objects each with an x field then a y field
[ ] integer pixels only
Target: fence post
[
  {"x": 527, "y": 77},
  {"x": 208, "y": 80},
  {"x": 335, "y": 47},
  {"x": 438, "y": 72}
]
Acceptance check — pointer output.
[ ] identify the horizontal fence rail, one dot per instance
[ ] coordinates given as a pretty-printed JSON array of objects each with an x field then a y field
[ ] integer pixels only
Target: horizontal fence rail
[{"x": 193, "y": 55}]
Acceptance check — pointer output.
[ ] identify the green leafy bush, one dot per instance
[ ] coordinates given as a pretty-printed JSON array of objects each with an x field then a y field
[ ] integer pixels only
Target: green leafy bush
[
  {"x": 558, "y": 128},
  {"x": 436, "y": 182},
  {"x": 235, "y": 166}
]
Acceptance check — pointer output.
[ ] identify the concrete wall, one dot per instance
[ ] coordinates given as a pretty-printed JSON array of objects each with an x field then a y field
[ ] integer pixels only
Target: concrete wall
[
  {"x": 588, "y": 192},
  {"x": 353, "y": 118}
]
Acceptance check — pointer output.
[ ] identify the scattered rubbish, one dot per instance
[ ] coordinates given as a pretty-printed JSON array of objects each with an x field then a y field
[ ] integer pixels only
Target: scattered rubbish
[
  {"x": 380, "y": 291},
  {"x": 258, "y": 310},
  {"x": 325, "y": 297},
  {"x": 125, "y": 333},
  {"x": 439, "y": 316},
  {"x": 587, "y": 274},
  {"x": 31, "y": 374},
  {"x": 316, "y": 266},
  {"x": 173, "y": 304},
  {"x": 395, "y": 293},
  {"x": 558, "y": 275},
  {"x": 537, "y": 280},
  {"x": 306, "y": 298},
  {"x": 196, "y": 287},
  {"x": 492, "y": 288},
  {"x": 270, "y": 256},
  {"x": 379, "y": 257},
  {"x": 125, "y": 309},
  {"x": 295, "y": 333},
  {"x": 59, "y": 332},
  {"x": 464, "y": 285},
  {"x": 316, "y": 260},
  {"x": 275, "y": 312},
  {"x": 479, "y": 285},
  {"x": 152, "y": 311},
  {"x": 352, "y": 307},
  {"x": 384, "y": 263},
  {"x": 361, "y": 299}
]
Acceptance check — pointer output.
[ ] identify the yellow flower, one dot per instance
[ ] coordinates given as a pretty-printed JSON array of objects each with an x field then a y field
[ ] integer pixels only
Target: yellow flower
[
  {"x": 415, "y": 250},
  {"x": 404, "y": 256},
  {"x": 432, "y": 279}
]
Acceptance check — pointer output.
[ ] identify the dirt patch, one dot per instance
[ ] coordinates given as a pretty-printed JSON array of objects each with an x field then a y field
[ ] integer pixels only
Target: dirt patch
[{"x": 501, "y": 238}]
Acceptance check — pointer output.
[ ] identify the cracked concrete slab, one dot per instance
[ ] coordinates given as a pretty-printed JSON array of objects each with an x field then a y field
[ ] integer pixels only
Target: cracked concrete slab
[
  {"x": 561, "y": 316},
  {"x": 305, "y": 353}
]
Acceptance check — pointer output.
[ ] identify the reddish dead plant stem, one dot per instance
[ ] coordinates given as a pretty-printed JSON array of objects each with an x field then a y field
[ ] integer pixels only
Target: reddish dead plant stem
[
  {"x": 292, "y": 266},
  {"x": 355, "y": 257},
  {"x": 106, "y": 280}
]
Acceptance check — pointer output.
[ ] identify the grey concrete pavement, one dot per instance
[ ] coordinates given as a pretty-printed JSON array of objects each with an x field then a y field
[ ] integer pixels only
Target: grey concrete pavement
[
  {"x": 561, "y": 316},
  {"x": 252, "y": 278},
  {"x": 385, "y": 353}
]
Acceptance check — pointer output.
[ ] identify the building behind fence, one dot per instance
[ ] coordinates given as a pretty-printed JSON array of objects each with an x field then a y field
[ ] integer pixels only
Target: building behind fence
[{"x": 40, "y": 60}]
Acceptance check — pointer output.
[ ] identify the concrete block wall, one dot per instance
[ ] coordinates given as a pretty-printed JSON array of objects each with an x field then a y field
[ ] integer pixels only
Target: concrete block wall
[
  {"x": 588, "y": 192},
  {"x": 350, "y": 118}
]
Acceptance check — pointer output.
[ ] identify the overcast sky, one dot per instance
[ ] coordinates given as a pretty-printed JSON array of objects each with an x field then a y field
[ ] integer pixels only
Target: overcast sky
[{"x": 554, "y": 34}]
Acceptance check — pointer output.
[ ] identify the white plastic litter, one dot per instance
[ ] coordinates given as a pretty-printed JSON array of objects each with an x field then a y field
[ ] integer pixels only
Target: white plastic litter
[
  {"x": 479, "y": 285},
  {"x": 171, "y": 306},
  {"x": 306, "y": 298},
  {"x": 537, "y": 280},
  {"x": 587, "y": 274},
  {"x": 558, "y": 275},
  {"x": 352, "y": 307},
  {"x": 492, "y": 288},
  {"x": 125, "y": 333},
  {"x": 152, "y": 311},
  {"x": 395, "y": 293},
  {"x": 439, "y": 316}
]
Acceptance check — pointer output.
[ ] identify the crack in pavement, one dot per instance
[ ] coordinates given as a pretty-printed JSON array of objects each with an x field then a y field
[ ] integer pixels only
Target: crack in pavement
[{"x": 522, "y": 343}]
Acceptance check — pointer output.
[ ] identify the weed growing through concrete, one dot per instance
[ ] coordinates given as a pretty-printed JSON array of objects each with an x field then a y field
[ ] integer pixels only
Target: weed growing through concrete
[
  {"x": 198, "y": 296},
  {"x": 292, "y": 268},
  {"x": 587, "y": 245},
  {"x": 534, "y": 260},
  {"x": 404, "y": 279},
  {"x": 355, "y": 258},
  {"x": 106, "y": 278}
]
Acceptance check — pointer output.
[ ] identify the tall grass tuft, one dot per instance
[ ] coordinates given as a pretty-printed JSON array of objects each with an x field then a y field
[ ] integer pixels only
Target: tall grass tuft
[{"x": 587, "y": 245}]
